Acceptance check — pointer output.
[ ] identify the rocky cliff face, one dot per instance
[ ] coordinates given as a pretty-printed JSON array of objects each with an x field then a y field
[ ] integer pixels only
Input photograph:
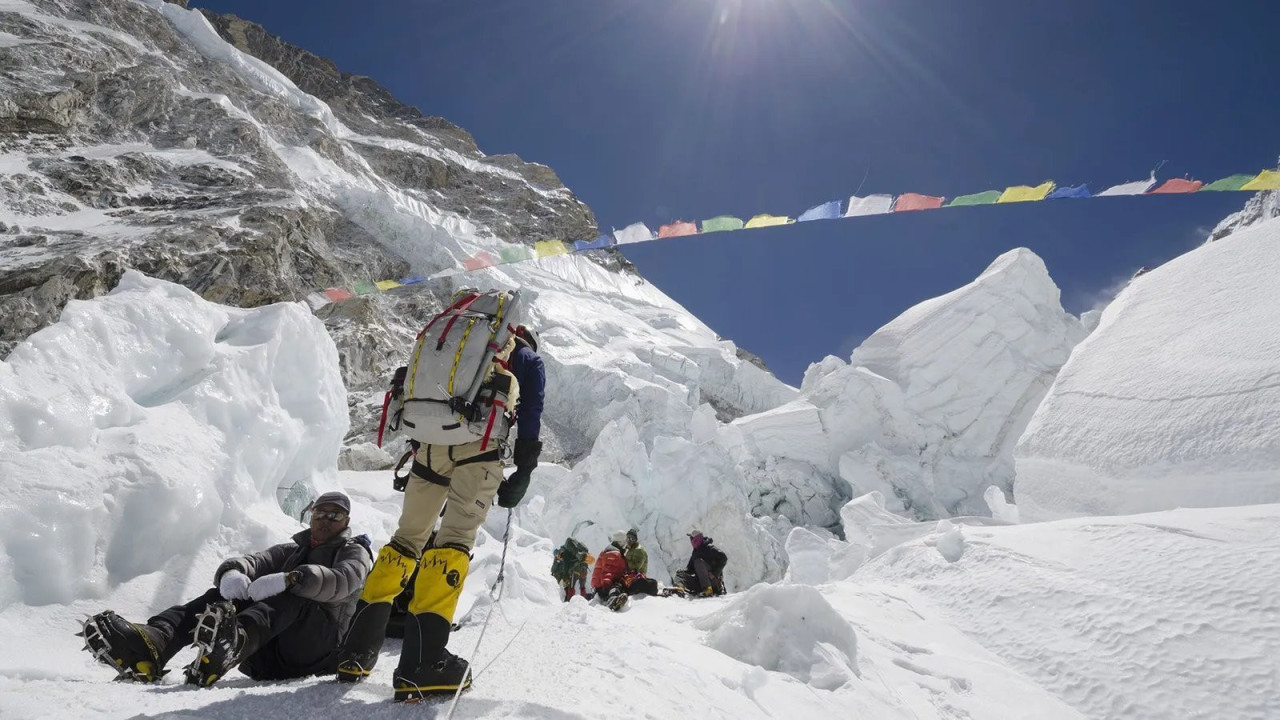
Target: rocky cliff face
[
  {"x": 200, "y": 149},
  {"x": 126, "y": 142}
]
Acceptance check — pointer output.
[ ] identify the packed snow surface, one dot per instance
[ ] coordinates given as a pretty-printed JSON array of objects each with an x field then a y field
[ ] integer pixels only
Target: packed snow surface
[{"x": 1175, "y": 399}]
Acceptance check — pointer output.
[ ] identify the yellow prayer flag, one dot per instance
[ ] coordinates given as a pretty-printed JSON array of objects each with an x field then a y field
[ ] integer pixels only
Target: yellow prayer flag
[
  {"x": 385, "y": 285},
  {"x": 1026, "y": 193},
  {"x": 766, "y": 220},
  {"x": 1266, "y": 180},
  {"x": 547, "y": 248}
]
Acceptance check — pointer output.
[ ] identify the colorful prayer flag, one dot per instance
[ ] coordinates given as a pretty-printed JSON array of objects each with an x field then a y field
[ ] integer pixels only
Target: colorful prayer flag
[
  {"x": 385, "y": 285},
  {"x": 633, "y": 233},
  {"x": 412, "y": 280},
  {"x": 1177, "y": 185},
  {"x": 1136, "y": 187},
  {"x": 1233, "y": 182},
  {"x": 721, "y": 223},
  {"x": 600, "y": 243},
  {"x": 336, "y": 294},
  {"x": 480, "y": 260},
  {"x": 982, "y": 198},
  {"x": 1079, "y": 191},
  {"x": 825, "y": 211},
  {"x": 317, "y": 300},
  {"x": 767, "y": 220},
  {"x": 679, "y": 228},
  {"x": 915, "y": 201},
  {"x": 1026, "y": 193},
  {"x": 364, "y": 288},
  {"x": 515, "y": 253},
  {"x": 547, "y": 248},
  {"x": 1266, "y": 180},
  {"x": 869, "y": 205}
]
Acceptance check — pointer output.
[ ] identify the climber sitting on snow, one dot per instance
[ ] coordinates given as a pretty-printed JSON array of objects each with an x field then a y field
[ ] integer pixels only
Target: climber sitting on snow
[
  {"x": 570, "y": 567},
  {"x": 277, "y": 614},
  {"x": 637, "y": 581},
  {"x": 704, "y": 575},
  {"x": 610, "y": 572}
]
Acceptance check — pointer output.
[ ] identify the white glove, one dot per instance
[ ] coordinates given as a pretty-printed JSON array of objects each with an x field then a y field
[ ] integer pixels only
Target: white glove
[
  {"x": 234, "y": 585},
  {"x": 268, "y": 586}
]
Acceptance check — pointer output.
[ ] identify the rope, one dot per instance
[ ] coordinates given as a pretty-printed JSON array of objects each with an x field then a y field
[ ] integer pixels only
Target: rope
[{"x": 496, "y": 587}]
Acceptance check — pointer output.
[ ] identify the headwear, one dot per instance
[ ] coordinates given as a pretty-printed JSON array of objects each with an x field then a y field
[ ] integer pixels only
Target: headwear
[
  {"x": 696, "y": 538},
  {"x": 529, "y": 335},
  {"x": 618, "y": 537},
  {"x": 334, "y": 498},
  {"x": 633, "y": 534}
]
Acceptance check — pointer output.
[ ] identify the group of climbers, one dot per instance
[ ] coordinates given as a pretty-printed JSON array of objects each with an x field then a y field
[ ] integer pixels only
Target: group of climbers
[
  {"x": 622, "y": 570},
  {"x": 321, "y": 604}
]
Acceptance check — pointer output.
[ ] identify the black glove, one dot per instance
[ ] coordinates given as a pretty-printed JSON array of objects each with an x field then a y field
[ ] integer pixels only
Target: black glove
[{"x": 512, "y": 490}]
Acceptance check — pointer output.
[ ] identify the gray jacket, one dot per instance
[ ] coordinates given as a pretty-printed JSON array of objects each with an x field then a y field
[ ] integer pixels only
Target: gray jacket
[{"x": 331, "y": 574}]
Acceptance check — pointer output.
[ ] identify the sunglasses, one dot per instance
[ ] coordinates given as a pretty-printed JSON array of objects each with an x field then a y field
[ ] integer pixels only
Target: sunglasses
[{"x": 331, "y": 516}]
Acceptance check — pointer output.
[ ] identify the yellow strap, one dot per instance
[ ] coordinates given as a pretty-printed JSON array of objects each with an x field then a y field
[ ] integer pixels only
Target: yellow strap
[
  {"x": 413, "y": 367},
  {"x": 457, "y": 357}
]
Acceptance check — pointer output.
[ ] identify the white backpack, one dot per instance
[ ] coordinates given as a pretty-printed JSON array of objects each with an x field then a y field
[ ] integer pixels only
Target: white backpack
[{"x": 457, "y": 388}]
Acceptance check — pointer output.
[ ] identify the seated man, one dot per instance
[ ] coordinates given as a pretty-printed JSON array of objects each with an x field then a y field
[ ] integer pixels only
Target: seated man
[
  {"x": 607, "y": 580},
  {"x": 277, "y": 614},
  {"x": 637, "y": 580},
  {"x": 704, "y": 575}
]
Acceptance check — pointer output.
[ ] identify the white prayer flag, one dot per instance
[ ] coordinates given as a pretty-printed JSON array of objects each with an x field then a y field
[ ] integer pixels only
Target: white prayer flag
[
  {"x": 1130, "y": 188},
  {"x": 869, "y": 205},
  {"x": 633, "y": 233}
]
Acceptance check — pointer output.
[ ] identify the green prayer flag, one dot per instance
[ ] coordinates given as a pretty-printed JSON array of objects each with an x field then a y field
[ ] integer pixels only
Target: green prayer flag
[
  {"x": 721, "y": 223},
  {"x": 983, "y": 198}
]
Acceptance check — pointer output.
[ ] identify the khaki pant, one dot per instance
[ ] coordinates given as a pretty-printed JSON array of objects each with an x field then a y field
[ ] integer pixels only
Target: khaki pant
[{"x": 461, "y": 474}]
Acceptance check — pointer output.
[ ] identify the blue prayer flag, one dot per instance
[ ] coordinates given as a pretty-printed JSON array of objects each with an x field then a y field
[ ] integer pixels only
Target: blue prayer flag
[
  {"x": 825, "y": 211},
  {"x": 411, "y": 280},
  {"x": 1079, "y": 191},
  {"x": 600, "y": 243}
]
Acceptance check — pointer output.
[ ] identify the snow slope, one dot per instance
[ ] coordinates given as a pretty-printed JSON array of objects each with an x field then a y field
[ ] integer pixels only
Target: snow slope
[
  {"x": 1175, "y": 399},
  {"x": 1165, "y": 615}
]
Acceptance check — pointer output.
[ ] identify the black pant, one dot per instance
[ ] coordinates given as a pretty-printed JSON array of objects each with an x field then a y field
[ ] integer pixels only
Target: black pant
[
  {"x": 285, "y": 636},
  {"x": 701, "y": 578}
]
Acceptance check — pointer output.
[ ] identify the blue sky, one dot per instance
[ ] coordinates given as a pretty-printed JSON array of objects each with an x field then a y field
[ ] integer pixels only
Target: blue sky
[{"x": 656, "y": 110}]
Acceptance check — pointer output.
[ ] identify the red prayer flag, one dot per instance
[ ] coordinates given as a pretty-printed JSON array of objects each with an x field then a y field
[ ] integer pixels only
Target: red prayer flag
[
  {"x": 1177, "y": 185},
  {"x": 677, "y": 229},
  {"x": 481, "y": 260},
  {"x": 336, "y": 294},
  {"x": 912, "y": 201}
]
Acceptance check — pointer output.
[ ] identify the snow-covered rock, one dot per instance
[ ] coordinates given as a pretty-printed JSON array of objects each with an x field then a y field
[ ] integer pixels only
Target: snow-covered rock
[
  {"x": 147, "y": 422},
  {"x": 1175, "y": 399},
  {"x": 790, "y": 629}
]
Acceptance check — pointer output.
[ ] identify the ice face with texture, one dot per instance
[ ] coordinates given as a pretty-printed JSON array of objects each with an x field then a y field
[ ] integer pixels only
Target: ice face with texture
[
  {"x": 145, "y": 422},
  {"x": 1175, "y": 399}
]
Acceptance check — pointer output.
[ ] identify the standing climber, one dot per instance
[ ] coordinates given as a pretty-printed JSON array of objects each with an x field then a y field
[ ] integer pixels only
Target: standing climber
[
  {"x": 570, "y": 567},
  {"x": 472, "y": 344}
]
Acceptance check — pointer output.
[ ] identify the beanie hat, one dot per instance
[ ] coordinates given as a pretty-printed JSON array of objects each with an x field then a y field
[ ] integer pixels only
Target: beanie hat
[{"x": 334, "y": 498}]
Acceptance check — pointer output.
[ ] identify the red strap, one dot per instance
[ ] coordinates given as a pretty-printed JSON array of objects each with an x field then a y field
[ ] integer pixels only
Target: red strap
[
  {"x": 386, "y": 402},
  {"x": 456, "y": 310},
  {"x": 468, "y": 298},
  {"x": 488, "y": 429}
]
